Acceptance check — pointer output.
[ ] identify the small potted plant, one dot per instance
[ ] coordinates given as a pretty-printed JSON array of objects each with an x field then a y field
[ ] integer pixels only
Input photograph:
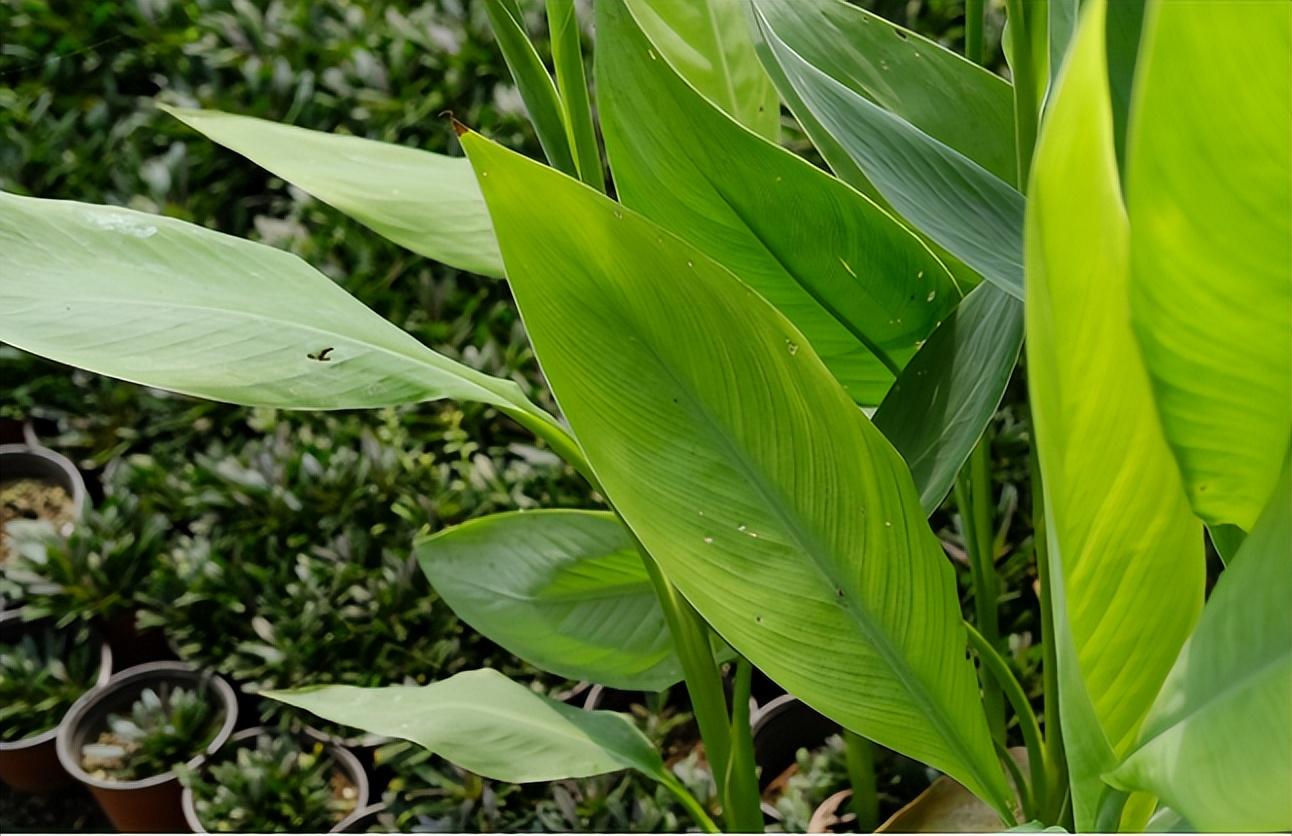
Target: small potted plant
[
  {"x": 126, "y": 741},
  {"x": 44, "y": 669},
  {"x": 37, "y": 485},
  {"x": 270, "y": 781}
]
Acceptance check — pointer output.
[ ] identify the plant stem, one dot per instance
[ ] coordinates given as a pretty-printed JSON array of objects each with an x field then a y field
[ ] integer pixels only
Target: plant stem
[
  {"x": 572, "y": 85},
  {"x": 1025, "y": 793},
  {"x": 692, "y": 805},
  {"x": 741, "y": 780},
  {"x": 1025, "y": 89},
  {"x": 861, "y": 774},
  {"x": 999, "y": 669},
  {"x": 973, "y": 497},
  {"x": 973, "y": 30},
  {"x": 704, "y": 683},
  {"x": 1056, "y": 764}
]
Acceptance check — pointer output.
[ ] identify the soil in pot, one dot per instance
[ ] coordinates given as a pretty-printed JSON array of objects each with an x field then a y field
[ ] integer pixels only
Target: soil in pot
[
  {"x": 44, "y": 669},
  {"x": 128, "y": 741},
  {"x": 40, "y": 486},
  {"x": 270, "y": 781}
]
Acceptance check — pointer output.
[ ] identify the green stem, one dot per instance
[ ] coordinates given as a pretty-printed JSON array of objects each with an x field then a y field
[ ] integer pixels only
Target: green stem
[
  {"x": 1025, "y": 89},
  {"x": 973, "y": 30},
  {"x": 704, "y": 683},
  {"x": 1025, "y": 793},
  {"x": 741, "y": 780},
  {"x": 999, "y": 669},
  {"x": 1108, "y": 815},
  {"x": 860, "y": 754},
  {"x": 973, "y": 497},
  {"x": 692, "y": 805},
  {"x": 1056, "y": 763}
]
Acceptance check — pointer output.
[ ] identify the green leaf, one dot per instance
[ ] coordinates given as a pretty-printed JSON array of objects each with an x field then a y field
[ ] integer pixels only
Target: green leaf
[
  {"x": 1209, "y": 189},
  {"x": 572, "y": 86},
  {"x": 426, "y": 202},
  {"x": 962, "y": 206},
  {"x": 780, "y": 513},
  {"x": 947, "y": 394},
  {"x": 1127, "y": 563},
  {"x": 1125, "y": 23},
  {"x": 953, "y": 101},
  {"x": 163, "y": 303},
  {"x": 564, "y": 590},
  {"x": 489, "y": 725},
  {"x": 862, "y": 289},
  {"x": 533, "y": 82},
  {"x": 1225, "y": 711},
  {"x": 710, "y": 44}
]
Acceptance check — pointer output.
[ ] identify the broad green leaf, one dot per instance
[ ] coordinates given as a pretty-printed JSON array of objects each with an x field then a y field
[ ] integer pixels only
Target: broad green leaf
[
  {"x": 1127, "y": 563},
  {"x": 572, "y": 86},
  {"x": 490, "y": 725},
  {"x": 1217, "y": 746},
  {"x": 426, "y": 202},
  {"x": 862, "y": 289},
  {"x": 533, "y": 82},
  {"x": 710, "y": 44},
  {"x": 946, "y": 395},
  {"x": 1209, "y": 190},
  {"x": 160, "y": 302},
  {"x": 959, "y": 204},
  {"x": 564, "y": 590},
  {"x": 1061, "y": 23},
  {"x": 951, "y": 100},
  {"x": 781, "y": 514}
]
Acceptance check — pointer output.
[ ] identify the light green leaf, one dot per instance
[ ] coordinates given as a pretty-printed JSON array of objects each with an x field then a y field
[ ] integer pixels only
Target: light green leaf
[
  {"x": 863, "y": 290},
  {"x": 160, "y": 302},
  {"x": 710, "y": 44},
  {"x": 533, "y": 82},
  {"x": 572, "y": 86},
  {"x": 951, "y": 100},
  {"x": 1217, "y": 746},
  {"x": 973, "y": 213},
  {"x": 564, "y": 590},
  {"x": 1127, "y": 563},
  {"x": 1210, "y": 198},
  {"x": 947, "y": 394},
  {"x": 426, "y": 202},
  {"x": 490, "y": 725},
  {"x": 780, "y": 513}
]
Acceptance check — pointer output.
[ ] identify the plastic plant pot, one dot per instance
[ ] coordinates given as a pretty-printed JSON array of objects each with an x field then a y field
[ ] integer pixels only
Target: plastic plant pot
[
  {"x": 360, "y": 820},
  {"x": 25, "y": 461},
  {"x": 146, "y": 805},
  {"x": 31, "y": 764},
  {"x": 342, "y": 757}
]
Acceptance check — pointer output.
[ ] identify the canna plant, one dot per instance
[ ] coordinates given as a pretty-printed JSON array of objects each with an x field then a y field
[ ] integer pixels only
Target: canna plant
[{"x": 774, "y": 374}]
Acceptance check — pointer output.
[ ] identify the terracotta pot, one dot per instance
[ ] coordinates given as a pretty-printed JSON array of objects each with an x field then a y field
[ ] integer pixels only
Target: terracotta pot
[
  {"x": 146, "y": 805},
  {"x": 31, "y": 764},
  {"x": 344, "y": 758}
]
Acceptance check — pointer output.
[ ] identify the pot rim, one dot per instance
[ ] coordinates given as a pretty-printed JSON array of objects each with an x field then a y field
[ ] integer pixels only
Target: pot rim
[
  {"x": 100, "y": 680},
  {"x": 74, "y": 481},
  {"x": 358, "y": 815},
  {"x": 344, "y": 758},
  {"x": 121, "y": 681}
]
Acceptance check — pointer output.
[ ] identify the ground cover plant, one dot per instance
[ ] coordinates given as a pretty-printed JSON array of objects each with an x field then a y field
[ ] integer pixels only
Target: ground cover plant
[
  {"x": 42, "y": 672},
  {"x": 774, "y": 374},
  {"x": 161, "y": 730}
]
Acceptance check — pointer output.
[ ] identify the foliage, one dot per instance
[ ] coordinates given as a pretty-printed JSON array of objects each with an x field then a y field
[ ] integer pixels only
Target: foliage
[
  {"x": 161, "y": 731},
  {"x": 699, "y": 331},
  {"x": 42, "y": 673},
  {"x": 273, "y": 783},
  {"x": 96, "y": 571}
]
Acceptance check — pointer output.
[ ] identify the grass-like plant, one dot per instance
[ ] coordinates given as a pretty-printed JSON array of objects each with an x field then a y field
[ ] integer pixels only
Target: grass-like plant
[
  {"x": 41, "y": 675},
  {"x": 773, "y": 374},
  {"x": 274, "y": 783},
  {"x": 165, "y": 727}
]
